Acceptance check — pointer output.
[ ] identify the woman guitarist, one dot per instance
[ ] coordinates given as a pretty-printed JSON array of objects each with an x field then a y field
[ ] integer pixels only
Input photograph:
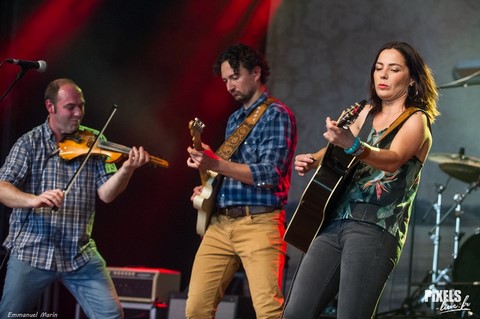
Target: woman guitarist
[{"x": 361, "y": 241}]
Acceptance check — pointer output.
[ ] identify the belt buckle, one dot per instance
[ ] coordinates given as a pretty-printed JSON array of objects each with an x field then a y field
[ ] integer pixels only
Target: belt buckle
[{"x": 235, "y": 212}]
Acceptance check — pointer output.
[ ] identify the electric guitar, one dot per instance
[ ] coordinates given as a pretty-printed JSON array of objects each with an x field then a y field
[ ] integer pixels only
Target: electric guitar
[
  {"x": 205, "y": 202},
  {"x": 324, "y": 188}
]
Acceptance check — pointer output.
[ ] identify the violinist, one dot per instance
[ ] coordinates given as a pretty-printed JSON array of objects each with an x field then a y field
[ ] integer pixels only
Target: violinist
[{"x": 46, "y": 244}]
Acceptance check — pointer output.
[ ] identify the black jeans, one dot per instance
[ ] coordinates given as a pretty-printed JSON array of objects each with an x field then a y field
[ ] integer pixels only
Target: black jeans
[{"x": 351, "y": 258}]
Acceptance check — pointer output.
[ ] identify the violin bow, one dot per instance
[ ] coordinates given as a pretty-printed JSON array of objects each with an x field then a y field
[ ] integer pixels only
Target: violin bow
[{"x": 87, "y": 156}]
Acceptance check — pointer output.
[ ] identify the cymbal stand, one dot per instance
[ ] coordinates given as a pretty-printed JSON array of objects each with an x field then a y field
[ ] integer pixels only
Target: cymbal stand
[
  {"x": 458, "y": 214},
  {"x": 457, "y": 208},
  {"x": 435, "y": 236}
]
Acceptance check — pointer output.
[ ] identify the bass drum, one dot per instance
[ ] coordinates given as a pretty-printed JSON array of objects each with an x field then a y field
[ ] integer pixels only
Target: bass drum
[{"x": 466, "y": 271}]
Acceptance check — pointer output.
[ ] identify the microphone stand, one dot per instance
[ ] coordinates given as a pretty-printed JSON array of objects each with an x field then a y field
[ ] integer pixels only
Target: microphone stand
[{"x": 18, "y": 77}]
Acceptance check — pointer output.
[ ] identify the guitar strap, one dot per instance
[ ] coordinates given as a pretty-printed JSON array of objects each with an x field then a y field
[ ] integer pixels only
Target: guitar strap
[
  {"x": 398, "y": 121},
  {"x": 232, "y": 142}
]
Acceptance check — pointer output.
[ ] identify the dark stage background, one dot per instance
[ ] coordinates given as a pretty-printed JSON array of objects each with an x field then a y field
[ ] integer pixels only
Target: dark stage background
[{"x": 154, "y": 60}]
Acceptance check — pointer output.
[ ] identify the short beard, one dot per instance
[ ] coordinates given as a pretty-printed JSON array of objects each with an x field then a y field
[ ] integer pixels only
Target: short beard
[{"x": 245, "y": 98}]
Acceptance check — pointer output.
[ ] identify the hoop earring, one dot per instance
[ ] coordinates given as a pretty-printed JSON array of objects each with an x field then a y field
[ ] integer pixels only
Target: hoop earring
[{"x": 411, "y": 89}]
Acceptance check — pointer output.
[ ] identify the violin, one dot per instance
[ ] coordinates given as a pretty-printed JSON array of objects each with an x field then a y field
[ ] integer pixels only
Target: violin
[{"x": 79, "y": 143}]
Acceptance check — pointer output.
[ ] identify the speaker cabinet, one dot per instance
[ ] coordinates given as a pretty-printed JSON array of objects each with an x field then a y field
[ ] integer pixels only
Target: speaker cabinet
[
  {"x": 227, "y": 309},
  {"x": 147, "y": 285},
  {"x": 134, "y": 310}
]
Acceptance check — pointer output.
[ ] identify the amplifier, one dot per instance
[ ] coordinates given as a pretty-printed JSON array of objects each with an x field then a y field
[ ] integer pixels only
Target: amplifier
[
  {"x": 146, "y": 285},
  {"x": 227, "y": 308}
]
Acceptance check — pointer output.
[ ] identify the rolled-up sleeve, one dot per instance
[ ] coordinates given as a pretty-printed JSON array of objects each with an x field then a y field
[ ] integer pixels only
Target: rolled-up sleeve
[
  {"x": 16, "y": 165},
  {"x": 275, "y": 145}
]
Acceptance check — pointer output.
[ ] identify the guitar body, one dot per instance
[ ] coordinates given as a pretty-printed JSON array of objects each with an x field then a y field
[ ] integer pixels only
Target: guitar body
[
  {"x": 205, "y": 203},
  {"x": 322, "y": 192},
  {"x": 320, "y": 196}
]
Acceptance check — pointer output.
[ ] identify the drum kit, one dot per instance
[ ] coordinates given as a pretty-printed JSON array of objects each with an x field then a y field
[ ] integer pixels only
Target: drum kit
[
  {"x": 459, "y": 166},
  {"x": 465, "y": 274}
]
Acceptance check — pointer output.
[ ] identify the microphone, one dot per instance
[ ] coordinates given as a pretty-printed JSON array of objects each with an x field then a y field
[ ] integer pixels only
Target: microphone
[{"x": 40, "y": 65}]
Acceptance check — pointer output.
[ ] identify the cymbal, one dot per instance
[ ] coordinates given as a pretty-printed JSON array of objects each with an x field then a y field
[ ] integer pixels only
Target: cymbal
[{"x": 464, "y": 168}]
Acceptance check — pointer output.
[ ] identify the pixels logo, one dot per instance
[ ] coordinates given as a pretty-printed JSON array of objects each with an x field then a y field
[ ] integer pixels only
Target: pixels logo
[{"x": 450, "y": 300}]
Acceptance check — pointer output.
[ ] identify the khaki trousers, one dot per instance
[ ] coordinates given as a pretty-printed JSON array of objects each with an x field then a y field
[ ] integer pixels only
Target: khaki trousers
[{"x": 254, "y": 241}]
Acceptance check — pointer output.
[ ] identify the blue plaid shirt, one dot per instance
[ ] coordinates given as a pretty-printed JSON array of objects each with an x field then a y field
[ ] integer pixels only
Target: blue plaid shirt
[
  {"x": 268, "y": 150},
  {"x": 58, "y": 241}
]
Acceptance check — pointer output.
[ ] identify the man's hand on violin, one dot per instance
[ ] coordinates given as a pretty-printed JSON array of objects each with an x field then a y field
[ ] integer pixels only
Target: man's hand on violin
[
  {"x": 205, "y": 159},
  {"x": 137, "y": 157},
  {"x": 51, "y": 198}
]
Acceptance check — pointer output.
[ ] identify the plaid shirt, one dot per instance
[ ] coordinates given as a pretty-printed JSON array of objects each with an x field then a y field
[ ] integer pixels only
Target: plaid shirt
[
  {"x": 268, "y": 150},
  {"x": 57, "y": 241}
]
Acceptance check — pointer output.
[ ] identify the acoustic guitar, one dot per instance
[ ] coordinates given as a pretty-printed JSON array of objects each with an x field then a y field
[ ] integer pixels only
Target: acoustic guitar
[{"x": 323, "y": 190}]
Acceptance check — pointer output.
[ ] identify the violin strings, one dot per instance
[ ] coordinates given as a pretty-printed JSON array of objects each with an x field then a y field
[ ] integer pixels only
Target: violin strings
[
  {"x": 114, "y": 147},
  {"x": 110, "y": 146}
]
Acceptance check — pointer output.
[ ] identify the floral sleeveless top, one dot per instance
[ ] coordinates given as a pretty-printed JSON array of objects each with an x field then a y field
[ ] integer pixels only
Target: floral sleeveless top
[{"x": 380, "y": 197}]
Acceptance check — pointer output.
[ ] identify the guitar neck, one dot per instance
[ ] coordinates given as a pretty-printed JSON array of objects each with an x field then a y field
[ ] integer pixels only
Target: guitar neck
[
  {"x": 196, "y": 128},
  {"x": 197, "y": 145}
]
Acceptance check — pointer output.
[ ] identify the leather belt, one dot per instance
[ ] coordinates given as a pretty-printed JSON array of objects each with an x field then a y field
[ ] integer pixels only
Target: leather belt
[{"x": 242, "y": 211}]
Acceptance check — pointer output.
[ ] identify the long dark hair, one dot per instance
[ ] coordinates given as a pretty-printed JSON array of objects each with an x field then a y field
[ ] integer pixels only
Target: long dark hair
[{"x": 423, "y": 94}]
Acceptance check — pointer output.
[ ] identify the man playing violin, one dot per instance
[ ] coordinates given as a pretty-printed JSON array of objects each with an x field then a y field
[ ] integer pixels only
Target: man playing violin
[{"x": 50, "y": 230}]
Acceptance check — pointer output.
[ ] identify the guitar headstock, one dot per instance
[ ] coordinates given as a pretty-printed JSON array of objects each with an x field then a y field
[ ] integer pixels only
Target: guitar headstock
[
  {"x": 350, "y": 114},
  {"x": 196, "y": 129}
]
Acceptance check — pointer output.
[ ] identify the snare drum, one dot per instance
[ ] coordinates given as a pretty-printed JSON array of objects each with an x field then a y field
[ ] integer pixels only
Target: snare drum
[{"x": 466, "y": 270}]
